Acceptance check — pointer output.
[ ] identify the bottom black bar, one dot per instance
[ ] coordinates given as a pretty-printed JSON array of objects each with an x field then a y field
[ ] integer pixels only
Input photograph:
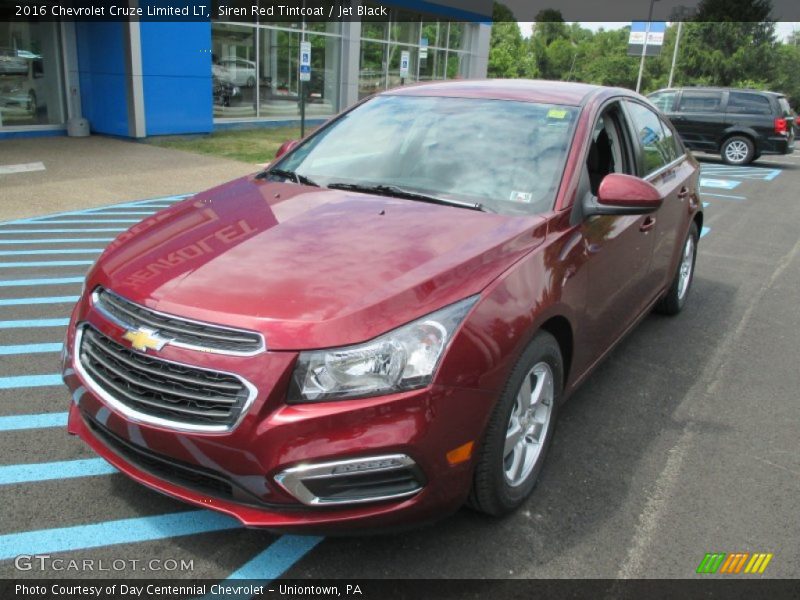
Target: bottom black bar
[{"x": 407, "y": 589}]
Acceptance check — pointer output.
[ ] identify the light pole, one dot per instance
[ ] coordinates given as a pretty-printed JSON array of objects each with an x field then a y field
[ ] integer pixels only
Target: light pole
[
  {"x": 644, "y": 45},
  {"x": 675, "y": 54}
]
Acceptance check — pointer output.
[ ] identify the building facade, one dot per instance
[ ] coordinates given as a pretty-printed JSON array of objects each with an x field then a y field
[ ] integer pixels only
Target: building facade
[{"x": 139, "y": 79}]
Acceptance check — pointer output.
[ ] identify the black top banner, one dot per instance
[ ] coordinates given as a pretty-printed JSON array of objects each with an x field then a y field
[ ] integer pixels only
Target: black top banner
[{"x": 484, "y": 11}]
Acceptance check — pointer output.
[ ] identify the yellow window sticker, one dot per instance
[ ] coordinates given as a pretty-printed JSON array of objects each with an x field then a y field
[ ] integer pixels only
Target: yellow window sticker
[{"x": 556, "y": 113}]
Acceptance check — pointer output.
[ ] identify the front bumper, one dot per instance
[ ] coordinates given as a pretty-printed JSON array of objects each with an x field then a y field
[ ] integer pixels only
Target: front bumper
[{"x": 238, "y": 471}]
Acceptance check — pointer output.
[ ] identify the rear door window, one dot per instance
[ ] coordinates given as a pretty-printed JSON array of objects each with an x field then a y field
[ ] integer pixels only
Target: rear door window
[
  {"x": 748, "y": 103},
  {"x": 786, "y": 110},
  {"x": 692, "y": 101},
  {"x": 663, "y": 100}
]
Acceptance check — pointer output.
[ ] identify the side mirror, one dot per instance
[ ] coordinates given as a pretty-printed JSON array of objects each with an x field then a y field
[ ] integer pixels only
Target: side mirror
[
  {"x": 286, "y": 146},
  {"x": 623, "y": 195}
]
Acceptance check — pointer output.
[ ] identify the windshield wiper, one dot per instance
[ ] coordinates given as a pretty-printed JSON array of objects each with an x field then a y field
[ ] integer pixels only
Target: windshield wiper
[
  {"x": 397, "y": 192},
  {"x": 294, "y": 176}
]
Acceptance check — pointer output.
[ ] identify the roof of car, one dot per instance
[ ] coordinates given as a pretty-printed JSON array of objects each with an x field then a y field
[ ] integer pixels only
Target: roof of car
[{"x": 525, "y": 90}]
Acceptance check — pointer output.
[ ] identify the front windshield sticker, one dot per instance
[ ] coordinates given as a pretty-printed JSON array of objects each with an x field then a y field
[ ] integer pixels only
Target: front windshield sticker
[
  {"x": 556, "y": 113},
  {"x": 520, "y": 196}
]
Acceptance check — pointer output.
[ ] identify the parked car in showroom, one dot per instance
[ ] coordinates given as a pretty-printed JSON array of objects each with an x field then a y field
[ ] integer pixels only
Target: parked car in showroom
[
  {"x": 241, "y": 72},
  {"x": 383, "y": 324},
  {"x": 739, "y": 125}
]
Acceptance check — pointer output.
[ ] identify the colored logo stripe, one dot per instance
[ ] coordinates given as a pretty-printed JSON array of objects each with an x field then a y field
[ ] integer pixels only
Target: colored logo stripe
[
  {"x": 734, "y": 562},
  {"x": 711, "y": 562},
  {"x": 758, "y": 563}
]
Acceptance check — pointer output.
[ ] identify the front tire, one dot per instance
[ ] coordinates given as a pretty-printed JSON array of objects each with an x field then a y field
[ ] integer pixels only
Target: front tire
[
  {"x": 674, "y": 300},
  {"x": 738, "y": 150},
  {"x": 519, "y": 430}
]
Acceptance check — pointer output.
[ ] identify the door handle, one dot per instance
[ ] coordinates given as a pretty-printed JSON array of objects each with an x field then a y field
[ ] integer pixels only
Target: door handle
[
  {"x": 684, "y": 192},
  {"x": 647, "y": 224}
]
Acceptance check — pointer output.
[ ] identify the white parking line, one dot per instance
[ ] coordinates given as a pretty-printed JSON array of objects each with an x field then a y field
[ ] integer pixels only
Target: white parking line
[{"x": 21, "y": 168}]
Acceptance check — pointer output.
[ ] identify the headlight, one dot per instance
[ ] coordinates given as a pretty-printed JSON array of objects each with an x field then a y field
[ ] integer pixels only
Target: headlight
[{"x": 400, "y": 360}]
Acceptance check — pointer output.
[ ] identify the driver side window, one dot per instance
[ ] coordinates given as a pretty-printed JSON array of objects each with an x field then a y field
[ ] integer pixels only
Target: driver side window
[{"x": 606, "y": 151}]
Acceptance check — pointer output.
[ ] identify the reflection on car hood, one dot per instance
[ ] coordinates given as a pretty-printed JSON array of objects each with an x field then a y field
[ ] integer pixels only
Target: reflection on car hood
[{"x": 310, "y": 267}]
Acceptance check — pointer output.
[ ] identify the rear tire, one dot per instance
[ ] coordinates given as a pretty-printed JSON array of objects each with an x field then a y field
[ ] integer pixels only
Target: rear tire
[
  {"x": 738, "y": 150},
  {"x": 674, "y": 300},
  {"x": 520, "y": 430}
]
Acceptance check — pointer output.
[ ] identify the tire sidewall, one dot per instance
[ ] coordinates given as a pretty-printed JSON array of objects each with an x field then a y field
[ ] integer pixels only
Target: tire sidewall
[
  {"x": 694, "y": 235},
  {"x": 543, "y": 348}
]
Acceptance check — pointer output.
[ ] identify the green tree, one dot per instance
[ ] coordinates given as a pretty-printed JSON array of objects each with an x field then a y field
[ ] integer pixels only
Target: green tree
[{"x": 505, "y": 45}]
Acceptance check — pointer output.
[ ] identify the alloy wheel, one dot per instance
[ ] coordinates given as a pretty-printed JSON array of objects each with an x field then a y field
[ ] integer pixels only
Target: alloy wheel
[
  {"x": 528, "y": 424},
  {"x": 736, "y": 151},
  {"x": 687, "y": 265}
]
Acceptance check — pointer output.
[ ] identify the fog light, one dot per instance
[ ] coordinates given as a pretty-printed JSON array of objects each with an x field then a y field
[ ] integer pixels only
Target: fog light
[{"x": 354, "y": 481}]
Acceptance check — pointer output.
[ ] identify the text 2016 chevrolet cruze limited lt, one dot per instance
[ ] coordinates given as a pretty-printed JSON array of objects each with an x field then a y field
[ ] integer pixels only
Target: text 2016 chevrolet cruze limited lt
[{"x": 382, "y": 325}]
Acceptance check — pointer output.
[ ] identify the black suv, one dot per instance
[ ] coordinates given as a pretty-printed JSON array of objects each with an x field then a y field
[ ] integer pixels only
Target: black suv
[{"x": 740, "y": 125}]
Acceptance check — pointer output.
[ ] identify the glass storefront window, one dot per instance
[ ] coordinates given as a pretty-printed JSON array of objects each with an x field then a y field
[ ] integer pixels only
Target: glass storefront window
[
  {"x": 432, "y": 67},
  {"x": 457, "y": 65},
  {"x": 457, "y": 36},
  {"x": 373, "y": 28},
  {"x": 404, "y": 29},
  {"x": 435, "y": 32},
  {"x": 256, "y": 70},
  {"x": 30, "y": 75},
  {"x": 233, "y": 70},
  {"x": 260, "y": 62},
  {"x": 395, "y": 51},
  {"x": 372, "y": 73}
]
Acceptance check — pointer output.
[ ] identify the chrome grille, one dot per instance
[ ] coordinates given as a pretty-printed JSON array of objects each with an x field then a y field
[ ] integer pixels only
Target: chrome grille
[
  {"x": 159, "y": 391},
  {"x": 180, "y": 331}
]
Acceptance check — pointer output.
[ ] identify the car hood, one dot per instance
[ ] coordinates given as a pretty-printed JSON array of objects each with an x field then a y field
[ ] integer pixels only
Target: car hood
[{"x": 310, "y": 267}]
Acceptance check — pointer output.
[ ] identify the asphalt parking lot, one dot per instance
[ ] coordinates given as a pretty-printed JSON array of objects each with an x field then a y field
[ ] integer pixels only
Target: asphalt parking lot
[{"x": 684, "y": 442}]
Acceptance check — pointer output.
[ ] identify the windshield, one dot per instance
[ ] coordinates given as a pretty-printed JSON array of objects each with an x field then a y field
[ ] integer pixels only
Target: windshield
[{"x": 506, "y": 156}]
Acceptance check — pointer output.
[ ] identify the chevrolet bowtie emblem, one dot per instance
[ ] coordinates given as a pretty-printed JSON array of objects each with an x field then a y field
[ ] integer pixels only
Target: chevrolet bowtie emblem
[{"x": 145, "y": 339}]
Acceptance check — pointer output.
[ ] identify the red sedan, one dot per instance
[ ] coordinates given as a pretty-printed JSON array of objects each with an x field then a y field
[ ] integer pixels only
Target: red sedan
[{"x": 382, "y": 325}]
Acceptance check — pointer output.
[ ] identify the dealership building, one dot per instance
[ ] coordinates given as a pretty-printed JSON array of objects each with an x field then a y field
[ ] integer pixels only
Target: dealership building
[{"x": 144, "y": 78}]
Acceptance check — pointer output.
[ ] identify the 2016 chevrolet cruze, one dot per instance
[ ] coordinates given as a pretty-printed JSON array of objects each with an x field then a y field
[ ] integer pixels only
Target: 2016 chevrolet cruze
[{"x": 382, "y": 325}]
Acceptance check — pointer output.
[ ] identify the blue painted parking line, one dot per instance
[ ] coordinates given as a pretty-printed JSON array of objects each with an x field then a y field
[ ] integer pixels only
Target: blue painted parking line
[
  {"x": 79, "y": 230},
  {"x": 726, "y": 196},
  {"x": 77, "y": 221},
  {"x": 110, "y": 211},
  {"x": 45, "y": 263},
  {"x": 65, "y": 469},
  {"x": 706, "y": 204},
  {"x": 276, "y": 559},
  {"x": 749, "y": 172},
  {"x": 145, "y": 204},
  {"x": 43, "y": 281},
  {"x": 123, "y": 531},
  {"x": 29, "y": 381},
  {"x": 30, "y": 349},
  {"x": 704, "y": 232},
  {"x": 723, "y": 184},
  {"x": 26, "y": 323},
  {"x": 51, "y": 251},
  {"x": 35, "y": 241},
  {"x": 269, "y": 564},
  {"x": 38, "y": 300},
  {"x": 17, "y": 422}
]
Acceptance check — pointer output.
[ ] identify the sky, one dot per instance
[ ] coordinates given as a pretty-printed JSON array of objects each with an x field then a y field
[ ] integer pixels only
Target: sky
[{"x": 782, "y": 29}]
